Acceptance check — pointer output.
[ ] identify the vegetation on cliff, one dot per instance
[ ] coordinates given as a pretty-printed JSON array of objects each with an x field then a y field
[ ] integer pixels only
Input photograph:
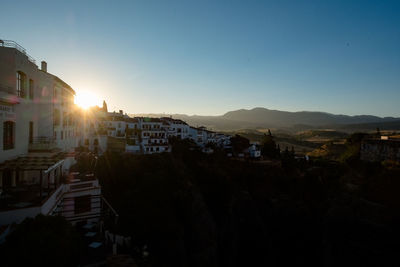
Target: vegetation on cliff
[{"x": 193, "y": 209}]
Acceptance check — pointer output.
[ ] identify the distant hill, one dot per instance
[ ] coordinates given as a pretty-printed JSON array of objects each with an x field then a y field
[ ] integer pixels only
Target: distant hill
[
  {"x": 388, "y": 125},
  {"x": 292, "y": 121}
]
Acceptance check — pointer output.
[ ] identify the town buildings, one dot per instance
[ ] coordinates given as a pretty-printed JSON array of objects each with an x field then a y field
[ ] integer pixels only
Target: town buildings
[
  {"x": 42, "y": 132},
  {"x": 118, "y": 132}
]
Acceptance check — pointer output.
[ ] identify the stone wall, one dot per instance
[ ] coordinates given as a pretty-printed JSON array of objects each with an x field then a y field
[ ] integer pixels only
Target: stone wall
[{"x": 380, "y": 150}]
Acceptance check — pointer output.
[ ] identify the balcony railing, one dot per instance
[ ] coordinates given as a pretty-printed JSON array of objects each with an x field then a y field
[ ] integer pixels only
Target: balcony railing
[
  {"x": 42, "y": 143},
  {"x": 12, "y": 44}
]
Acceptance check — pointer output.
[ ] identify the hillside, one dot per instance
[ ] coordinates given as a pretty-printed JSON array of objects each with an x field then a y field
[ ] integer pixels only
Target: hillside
[{"x": 285, "y": 120}]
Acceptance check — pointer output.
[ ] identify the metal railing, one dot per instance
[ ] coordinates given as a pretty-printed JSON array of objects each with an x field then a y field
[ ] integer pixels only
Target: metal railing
[
  {"x": 42, "y": 143},
  {"x": 99, "y": 208},
  {"x": 12, "y": 44}
]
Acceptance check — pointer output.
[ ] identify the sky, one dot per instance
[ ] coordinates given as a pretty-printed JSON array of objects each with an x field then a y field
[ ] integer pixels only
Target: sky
[{"x": 209, "y": 57}]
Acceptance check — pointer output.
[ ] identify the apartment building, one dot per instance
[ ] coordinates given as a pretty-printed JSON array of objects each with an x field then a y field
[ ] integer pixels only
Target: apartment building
[
  {"x": 37, "y": 107},
  {"x": 154, "y": 136},
  {"x": 39, "y": 130},
  {"x": 177, "y": 128}
]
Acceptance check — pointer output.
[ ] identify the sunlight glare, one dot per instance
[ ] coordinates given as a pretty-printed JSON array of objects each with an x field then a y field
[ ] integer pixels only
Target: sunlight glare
[{"x": 86, "y": 99}]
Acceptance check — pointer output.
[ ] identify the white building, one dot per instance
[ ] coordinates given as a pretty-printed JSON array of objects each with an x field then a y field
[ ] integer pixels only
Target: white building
[
  {"x": 40, "y": 127},
  {"x": 154, "y": 136},
  {"x": 36, "y": 107},
  {"x": 141, "y": 135},
  {"x": 254, "y": 151}
]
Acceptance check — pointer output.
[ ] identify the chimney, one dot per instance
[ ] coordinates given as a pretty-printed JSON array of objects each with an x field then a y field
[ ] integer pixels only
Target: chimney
[{"x": 44, "y": 66}]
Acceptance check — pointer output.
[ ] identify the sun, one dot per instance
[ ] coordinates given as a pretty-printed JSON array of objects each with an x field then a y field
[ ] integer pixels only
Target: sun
[{"x": 86, "y": 99}]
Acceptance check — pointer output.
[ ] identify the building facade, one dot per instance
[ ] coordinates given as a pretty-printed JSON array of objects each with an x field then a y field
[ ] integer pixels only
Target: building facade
[
  {"x": 36, "y": 108},
  {"x": 141, "y": 135},
  {"x": 39, "y": 131}
]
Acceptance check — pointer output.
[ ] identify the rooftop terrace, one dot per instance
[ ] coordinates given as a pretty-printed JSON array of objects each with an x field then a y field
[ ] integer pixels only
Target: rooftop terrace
[{"x": 12, "y": 44}]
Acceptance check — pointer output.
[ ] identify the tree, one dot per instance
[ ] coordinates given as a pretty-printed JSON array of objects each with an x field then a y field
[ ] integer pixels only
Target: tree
[
  {"x": 43, "y": 241},
  {"x": 268, "y": 146},
  {"x": 84, "y": 162},
  {"x": 353, "y": 147},
  {"x": 239, "y": 144},
  {"x": 182, "y": 146},
  {"x": 378, "y": 132}
]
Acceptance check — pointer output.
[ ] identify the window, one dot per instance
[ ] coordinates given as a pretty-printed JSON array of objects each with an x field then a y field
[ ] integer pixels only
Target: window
[
  {"x": 31, "y": 88},
  {"x": 62, "y": 97},
  {"x": 30, "y": 132},
  {"x": 56, "y": 117},
  {"x": 62, "y": 135},
  {"x": 55, "y": 96},
  {"x": 8, "y": 135},
  {"x": 55, "y": 135},
  {"x": 65, "y": 119},
  {"x": 21, "y": 79}
]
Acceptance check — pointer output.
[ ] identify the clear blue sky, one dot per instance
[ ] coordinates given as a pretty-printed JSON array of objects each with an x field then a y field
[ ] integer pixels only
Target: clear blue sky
[{"x": 209, "y": 57}]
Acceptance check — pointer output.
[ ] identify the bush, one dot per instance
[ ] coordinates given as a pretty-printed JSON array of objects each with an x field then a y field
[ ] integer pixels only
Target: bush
[{"x": 43, "y": 241}]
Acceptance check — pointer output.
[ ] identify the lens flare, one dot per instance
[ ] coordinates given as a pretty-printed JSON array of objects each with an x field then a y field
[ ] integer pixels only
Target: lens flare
[{"x": 86, "y": 99}]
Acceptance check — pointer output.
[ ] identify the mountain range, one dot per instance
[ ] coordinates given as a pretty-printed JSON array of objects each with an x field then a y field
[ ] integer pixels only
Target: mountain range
[{"x": 291, "y": 121}]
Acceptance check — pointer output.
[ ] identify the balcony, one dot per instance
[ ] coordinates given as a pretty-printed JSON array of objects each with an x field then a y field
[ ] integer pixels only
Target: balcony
[
  {"x": 42, "y": 144},
  {"x": 153, "y": 130}
]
